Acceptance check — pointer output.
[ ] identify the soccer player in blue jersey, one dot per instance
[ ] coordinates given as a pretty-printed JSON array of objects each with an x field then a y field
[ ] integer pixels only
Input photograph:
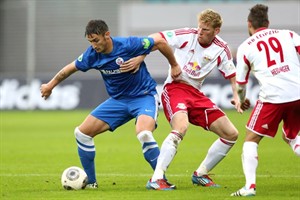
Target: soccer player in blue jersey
[{"x": 132, "y": 93}]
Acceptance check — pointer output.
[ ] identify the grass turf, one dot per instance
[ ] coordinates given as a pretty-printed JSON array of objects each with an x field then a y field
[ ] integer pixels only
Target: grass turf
[{"x": 36, "y": 146}]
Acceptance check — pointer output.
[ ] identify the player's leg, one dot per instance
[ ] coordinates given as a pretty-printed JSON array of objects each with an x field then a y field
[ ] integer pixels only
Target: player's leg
[
  {"x": 144, "y": 128},
  {"x": 294, "y": 143},
  {"x": 170, "y": 99},
  {"x": 99, "y": 121},
  {"x": 250, "y": 163},
  {"x": 170, "y": 144},
  {"x": 291, "y": 125},
  {"x": 218, "y": 150},
  {"x": 167, "y": 154},
  {"x": 145, "y": 110},
  {"x": 258, "y": 126},
  {"x": 86, "y": 148}
]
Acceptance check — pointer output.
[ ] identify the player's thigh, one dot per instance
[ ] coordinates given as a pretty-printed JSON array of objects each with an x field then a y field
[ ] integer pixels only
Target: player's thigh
[
  {"x": 180, "y": 122},
  {"x": 291, "y": 119},
  {"x": 145, "y": 110},
  {"x": 145, "y": 122},
  {"x": 224, "y": 128},
  {"x": 113, "y": 112},
  {"x": 175, "y": 99},
  {"x": 92, "y": 126},
  {"x": 265, "y": 119}
]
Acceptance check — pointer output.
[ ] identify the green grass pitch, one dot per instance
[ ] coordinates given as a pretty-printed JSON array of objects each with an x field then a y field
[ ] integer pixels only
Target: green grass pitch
[{"x": 36, "y": 146}]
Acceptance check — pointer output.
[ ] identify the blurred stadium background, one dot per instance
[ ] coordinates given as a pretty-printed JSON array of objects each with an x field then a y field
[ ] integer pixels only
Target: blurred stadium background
[{"x": 38, "y": 37}]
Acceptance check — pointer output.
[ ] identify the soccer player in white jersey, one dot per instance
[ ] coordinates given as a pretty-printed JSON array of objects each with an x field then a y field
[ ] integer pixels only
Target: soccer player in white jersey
[
  {"x": 198, "y": 51},
  {"x": 271, "y": 55},
  {"x": 132, "y": 93}
]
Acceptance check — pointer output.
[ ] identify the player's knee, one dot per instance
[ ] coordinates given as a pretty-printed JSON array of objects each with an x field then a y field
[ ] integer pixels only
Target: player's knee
[
  {"x": 76, "y": 132},
  {"x": 174, "y": 138},
  {"x": 297, "y": 150},
  {"x": 232, "y": 136}
]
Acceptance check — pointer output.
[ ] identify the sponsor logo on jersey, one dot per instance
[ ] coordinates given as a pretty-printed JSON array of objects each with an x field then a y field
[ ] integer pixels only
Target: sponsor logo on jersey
[
  {"x": 192, "y": 68},
  {"x": 146, "y": 43},
  {"x": 119, "y": 61},
  {"x": 207, "y": 58},
  {"x": 112, "y": 71},
  {"x": 80, "y": 58},
  {"x": 170, "y": 34}
]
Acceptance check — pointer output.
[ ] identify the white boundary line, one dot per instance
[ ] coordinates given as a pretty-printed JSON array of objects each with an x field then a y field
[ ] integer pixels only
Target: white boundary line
[{"x": 147, "y": 175}]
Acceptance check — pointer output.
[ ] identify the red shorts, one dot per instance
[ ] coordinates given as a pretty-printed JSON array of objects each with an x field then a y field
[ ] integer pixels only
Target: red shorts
[
  {"x": 182, "y": 97},
  {"x": 266, "y": 117}
]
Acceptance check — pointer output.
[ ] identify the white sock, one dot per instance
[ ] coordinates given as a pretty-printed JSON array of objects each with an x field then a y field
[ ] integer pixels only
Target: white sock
[
  {"x": 216, "y": 153},
  {"x": 250, "y": 162},
  {"x": 85, "y": 140},
  {"x": 146, "y": 137},
  {"x": 295, "y": 144},
  {"x": 167, "y": 153}
]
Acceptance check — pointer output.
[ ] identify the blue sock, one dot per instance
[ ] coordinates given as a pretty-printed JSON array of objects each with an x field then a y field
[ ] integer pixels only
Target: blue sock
[
  {"x": 87, "y": 161},
  {"x": 151, "y": 154},
  {"x": 149, "y": 146},
  {"x": 86, "y": 152}
]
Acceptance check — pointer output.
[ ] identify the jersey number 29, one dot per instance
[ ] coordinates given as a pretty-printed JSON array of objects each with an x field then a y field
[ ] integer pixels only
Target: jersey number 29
[{"x": 273, "y": 46}]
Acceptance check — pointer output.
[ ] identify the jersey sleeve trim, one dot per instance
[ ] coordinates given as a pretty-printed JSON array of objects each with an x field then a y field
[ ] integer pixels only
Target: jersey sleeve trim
[
  {"x": 298, "y": 49},
  {"x": 229, "y": 76},
  {"x": 242, "y": 82},
  {"x": 163, "y": 36}
]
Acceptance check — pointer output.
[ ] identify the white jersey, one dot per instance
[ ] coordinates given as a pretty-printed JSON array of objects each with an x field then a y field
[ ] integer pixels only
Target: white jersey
[
  {"x": 272, "y": 57},
  {"x": 196, "y": 61}
]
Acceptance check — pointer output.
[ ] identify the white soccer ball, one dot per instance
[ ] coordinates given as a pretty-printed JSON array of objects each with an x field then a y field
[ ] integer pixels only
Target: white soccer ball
[{"x": 74, "y": 178}]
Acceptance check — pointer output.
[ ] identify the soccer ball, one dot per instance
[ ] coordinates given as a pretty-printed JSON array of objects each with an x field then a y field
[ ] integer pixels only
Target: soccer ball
[{"x": 74, "y": 178}]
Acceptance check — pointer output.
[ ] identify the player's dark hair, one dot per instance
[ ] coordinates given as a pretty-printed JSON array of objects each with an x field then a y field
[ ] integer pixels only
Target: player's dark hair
[
  {"x": 96, "y": 26},
  {"x": 258, "y": 16}
]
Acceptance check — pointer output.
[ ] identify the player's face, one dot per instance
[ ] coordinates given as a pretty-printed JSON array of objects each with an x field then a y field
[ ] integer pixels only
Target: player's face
[
  {"x": 100, "y": 42},
  {"x": 206, "y": 33}
]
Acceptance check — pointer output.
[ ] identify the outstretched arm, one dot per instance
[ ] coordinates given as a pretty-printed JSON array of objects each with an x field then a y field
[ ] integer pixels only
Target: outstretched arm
[
  {"x": 240, "y": 101},
  {"x": 46, "y": 89},
  {"x": 132, "y": 64},
  {"x": 161, "y": 44}
]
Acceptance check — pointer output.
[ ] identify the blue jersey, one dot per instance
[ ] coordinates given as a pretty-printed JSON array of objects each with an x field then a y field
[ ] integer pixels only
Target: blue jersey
[{"x": 118, "y": 84}]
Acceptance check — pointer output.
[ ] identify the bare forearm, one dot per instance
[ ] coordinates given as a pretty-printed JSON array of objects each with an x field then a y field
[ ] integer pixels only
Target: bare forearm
[
  {"x": 162, "y": 45},
  {"x": 241, "y": 91},
  {"x": 46, "y": 89},
  {"x": 59, "y": 77},
  {"x": 167, "y": 51},
  {"x": 234, "y": 88}
]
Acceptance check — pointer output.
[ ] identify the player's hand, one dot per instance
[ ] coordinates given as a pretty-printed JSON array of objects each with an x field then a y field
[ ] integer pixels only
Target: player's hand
[
  {"x": 175, "y": 72},
  {"x": 132, "y": 64},
  {"x": 245, "y": 105},
  {"x": 241, "y": 106},
  {"x": 46, "y": 91}
]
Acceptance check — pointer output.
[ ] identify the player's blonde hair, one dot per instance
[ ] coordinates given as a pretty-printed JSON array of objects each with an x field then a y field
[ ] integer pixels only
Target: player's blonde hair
[{"x": 210, "y": 17}]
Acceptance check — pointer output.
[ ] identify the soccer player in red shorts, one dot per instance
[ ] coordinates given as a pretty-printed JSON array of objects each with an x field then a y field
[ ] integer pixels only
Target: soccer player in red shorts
[
  {"x": 271, "y": 55},
  {"x": 198, "y": 51}
]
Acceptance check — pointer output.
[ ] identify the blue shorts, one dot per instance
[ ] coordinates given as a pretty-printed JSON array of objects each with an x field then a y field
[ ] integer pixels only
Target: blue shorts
[{"x": 117, "y": 112}]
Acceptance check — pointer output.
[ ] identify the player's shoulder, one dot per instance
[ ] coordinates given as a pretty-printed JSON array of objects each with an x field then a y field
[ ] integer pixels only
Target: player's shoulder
[
  {"x": 291, "y": 33},
  {"x": 220, "y": 41},
  {"x": 186, "y": 31},
  {"x": 89, "y": 53},
  {"x": 130, "y": 39}
]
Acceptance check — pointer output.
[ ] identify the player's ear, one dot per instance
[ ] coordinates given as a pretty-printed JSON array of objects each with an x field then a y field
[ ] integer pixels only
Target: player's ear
[
  {"x": 217, "y": 31},
  {"x": 249, "y": 24},
  {"x": 107, "y": 35}
]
